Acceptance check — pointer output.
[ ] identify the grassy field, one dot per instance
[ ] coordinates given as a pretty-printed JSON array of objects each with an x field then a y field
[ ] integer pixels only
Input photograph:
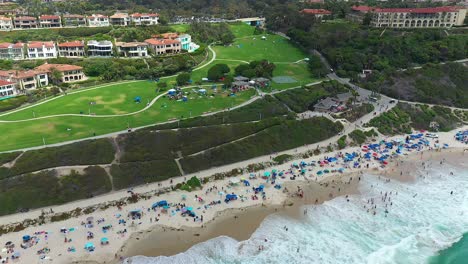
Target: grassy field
[{"x": 118, "y": 99}]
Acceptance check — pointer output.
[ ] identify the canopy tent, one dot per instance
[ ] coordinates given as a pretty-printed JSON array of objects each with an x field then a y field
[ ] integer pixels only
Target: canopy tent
[
  {"x": 104, "y": 240},
  {"x": 234, "y": 181},
  {"x": 266, "y": 174},
  {"x": 26, "y": 238},
  {"x": 89, "y": 246}
]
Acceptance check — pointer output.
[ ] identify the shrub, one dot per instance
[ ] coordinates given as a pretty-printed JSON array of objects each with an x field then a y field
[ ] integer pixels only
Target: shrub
[{"x": 342, "y": 142}]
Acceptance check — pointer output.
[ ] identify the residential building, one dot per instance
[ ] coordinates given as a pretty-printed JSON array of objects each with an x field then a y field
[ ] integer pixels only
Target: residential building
[
  {"x": 164, "y": 46},
  {"x": 185, "y": 40},
  {"x": 100, "y": 48},
  {"x": 50, "y": 21},
  {"x": 144, "y": 19},
  {"x": 41, "y": 50},
  {"x": 317, "y": 13},
  {"x": 72, "y": 49},
  {"x": 70, "y": 73},
  {"x": 9, "y": 51},
  {"x": 74, "y": 21},
  {"x": 120, "y": 19},
  {"x": 6, "y": 24},
  {"x": 25, "y": 80},
  {"x": 253, "y": 21},
  {"x": 25, "y": 22},
  {"x": 132, "y": 49},
  {"x": 430, "y": 17},
  {"x": 97, "y": 20},
  {"x": 7, "y": 89}
]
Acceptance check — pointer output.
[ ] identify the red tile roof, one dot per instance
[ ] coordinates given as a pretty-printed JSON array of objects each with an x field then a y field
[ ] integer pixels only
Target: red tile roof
[
  {"x": 161, "y": 41},
  {"x": 4, "y": 18},
  {"x": 140, "y": 15},
  {"x": 316, "y": 11},
  {"x": 18, "y": 45},
  {"x": 72, "y": 44},
  {"x": 47, "y": 17},
  {"x": 60, "y": 67},
  {"x": 19, "y": 74},
  {"x": 39, "y": 44},
  {"x": 5, "y": 45},
  {"x": 73, "y": 16},
  {"x": 119, "y": 15},
  {"x": 425, "y": 10},
  {"x": 25, "y": 18},
  {"x": 3, "y": 83},
  {"x": 96, "y": 16}
]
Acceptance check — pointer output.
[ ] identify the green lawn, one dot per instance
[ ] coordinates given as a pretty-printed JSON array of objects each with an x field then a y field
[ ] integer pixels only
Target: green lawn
[
  {"x": 54, "y": 130},
  {"x": 241, "y": 30},
  {"x": 274, "y": 48},
  {"x": 181, "y": 28}
]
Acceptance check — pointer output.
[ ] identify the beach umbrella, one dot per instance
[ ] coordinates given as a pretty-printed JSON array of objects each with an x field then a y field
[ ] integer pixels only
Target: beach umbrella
[
  {"x": 166, "y": 207},
  {"x": 326, "y": 171},
  {"x": 10, "y": 243},
  {"x": 319, "y": 172},
  {"x": 104, "y": 240},
  {"x": 274, "y": 171},
  {"x": 266, "y": 174},
  {"x": 184, "y": 197},
  {"x": 190, "y": 209},
  {"x": 4, "y": 250},
  {"x": 16, "y": 254},
  {"x": 341, "y": 170},
  {"x": 90, "y": 219}
]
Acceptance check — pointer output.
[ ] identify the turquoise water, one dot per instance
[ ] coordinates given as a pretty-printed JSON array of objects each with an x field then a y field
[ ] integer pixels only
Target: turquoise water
[
  {"x": 423, "y": 219},
  {"x": 456, "y": 254}
]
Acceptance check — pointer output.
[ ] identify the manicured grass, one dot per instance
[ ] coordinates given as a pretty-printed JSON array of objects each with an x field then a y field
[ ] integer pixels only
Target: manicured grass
[
  {"x": 298, "y": 71},
  {"x": 55, "y": 129},
  {"x": 241, "y": 30},
  {"x": 112, "y": 100},
  {"x": 274, "y": 48},
  {"x": 181, "y": 28}
]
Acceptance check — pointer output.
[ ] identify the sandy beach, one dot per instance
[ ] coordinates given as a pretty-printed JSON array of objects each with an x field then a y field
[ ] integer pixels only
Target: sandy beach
[{"x": 156, "y": 232}]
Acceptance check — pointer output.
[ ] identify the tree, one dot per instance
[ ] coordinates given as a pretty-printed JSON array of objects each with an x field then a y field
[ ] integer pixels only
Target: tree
[
  {"x": 183, "y": 78},
  {"x": 56, "y": 76},
  {"x": 241, "y": 68},
  {"x": 162, "y": 85},
  {"x": 218, "y": 71},
  {"x": 367, "y": 19},
  {"x": 317, "y": 67}
]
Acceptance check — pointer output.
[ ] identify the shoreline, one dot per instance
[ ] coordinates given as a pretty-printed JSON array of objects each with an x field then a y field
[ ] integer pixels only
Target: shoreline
[{"x": 274, "y": 200}]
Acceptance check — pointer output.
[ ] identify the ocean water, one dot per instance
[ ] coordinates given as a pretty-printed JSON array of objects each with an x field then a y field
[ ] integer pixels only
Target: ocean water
[{"x": 423, "y": 220}]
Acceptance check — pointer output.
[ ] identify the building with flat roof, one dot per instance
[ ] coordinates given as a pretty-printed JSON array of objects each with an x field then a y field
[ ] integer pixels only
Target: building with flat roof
[
  {"x": 10, "y": 51},
  {"x": 428, "y": 17},
  {"x": 132, "y": 49},
  {"x": 71, "y": 49},
  {"x": 100, "y": 48},
  {"x": 317, "y": 13}
]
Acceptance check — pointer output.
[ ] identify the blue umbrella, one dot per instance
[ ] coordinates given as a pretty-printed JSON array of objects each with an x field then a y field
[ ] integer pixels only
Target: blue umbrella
[
  {"x": 104, "y": 240},
  {"x": 319, "y": 172},
  {"x": 89, "y": 245}
]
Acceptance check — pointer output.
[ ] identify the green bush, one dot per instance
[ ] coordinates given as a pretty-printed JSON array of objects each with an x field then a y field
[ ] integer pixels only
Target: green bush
[
  {"x": 287, "y": 135},
  {"x": 46, "y": 189},
  {"x": 281, "y": 159},
  {"x": 129, "y": 174},
  {"x": 8, "y": 157},
  {"x": 89, "y": 152},
  {"x": 12, "y": 103},
  {"x": 342, "y": 142}
]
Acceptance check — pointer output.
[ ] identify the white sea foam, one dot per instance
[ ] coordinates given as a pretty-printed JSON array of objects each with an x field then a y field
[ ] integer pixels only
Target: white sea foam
[{"x": 423, "y": 219}]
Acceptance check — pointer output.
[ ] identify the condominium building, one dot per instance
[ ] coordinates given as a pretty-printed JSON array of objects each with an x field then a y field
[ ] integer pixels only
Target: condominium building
[
  {"x": 144, "y": 19},
  {"x": 25, "y": 22},
  {"x": 164, "y": 46},
  {"x": 69, "y": 73},
  {"x": 120, "y": 19},
  {"x": 74, "y": 21},
  {"x": 100, "y": 48},
  {"x": 50, "y": 21},
  {"x": 6, "y": 24},
  {"x": 7, "y": 89},
  {"x": 25, "y": 80},
  {"x": 72, "y": 49},
  {"x": 444, "y": 16},
  {"x": 97, "y": 20},
  {"x": 9, "y": 51},
  {"x": 41, "y": 50},
  {"x": 132, "y": 49}
]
